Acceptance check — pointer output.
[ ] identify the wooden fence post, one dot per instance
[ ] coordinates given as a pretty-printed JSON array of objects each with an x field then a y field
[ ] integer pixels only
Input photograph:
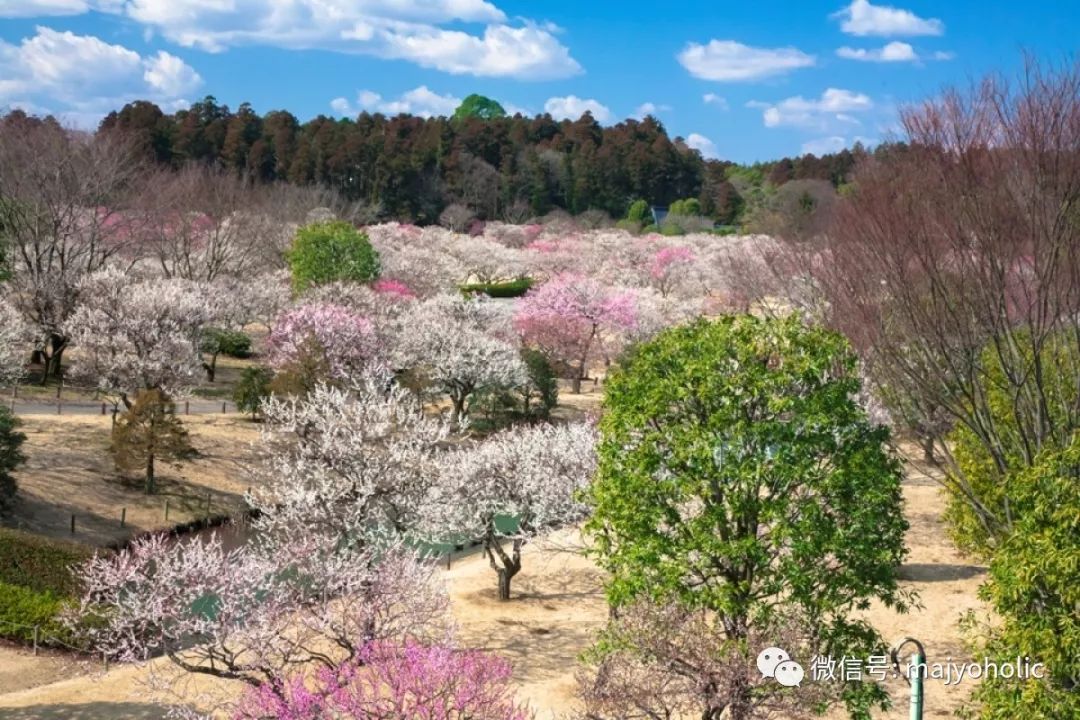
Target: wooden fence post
[
  {"x": 72, "y": 523},
  {"x": 57, "y": 406},
  {"x": 37, "y": 630},
  {"x": 103, "y": 409},
  {"x": 223, "y": 407},
  {"x": 187, "y": 407},
  {"x": 166, "y": 509},
  {"x": 123, "y": 516}
]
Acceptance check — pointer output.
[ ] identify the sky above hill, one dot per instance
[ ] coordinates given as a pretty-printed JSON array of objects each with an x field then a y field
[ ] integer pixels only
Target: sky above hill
[{"x": 740, "y": 81}]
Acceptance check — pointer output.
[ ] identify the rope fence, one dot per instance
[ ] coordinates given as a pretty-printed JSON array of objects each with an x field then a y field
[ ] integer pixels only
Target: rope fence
[
  {"x": 40, "y": 404},
  {"x": 40, "y": 640}
]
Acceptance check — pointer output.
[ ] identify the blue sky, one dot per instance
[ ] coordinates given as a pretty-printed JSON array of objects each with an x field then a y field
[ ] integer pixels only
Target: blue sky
[{"x": 740, "y": 80}]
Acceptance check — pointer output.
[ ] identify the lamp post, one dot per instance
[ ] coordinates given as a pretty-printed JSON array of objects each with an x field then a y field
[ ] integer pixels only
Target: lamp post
[{"x": 916, "y": 673}]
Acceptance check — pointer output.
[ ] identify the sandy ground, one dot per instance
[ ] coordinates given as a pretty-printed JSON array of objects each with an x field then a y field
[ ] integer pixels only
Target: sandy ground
[{"x": 69, "y": 471}]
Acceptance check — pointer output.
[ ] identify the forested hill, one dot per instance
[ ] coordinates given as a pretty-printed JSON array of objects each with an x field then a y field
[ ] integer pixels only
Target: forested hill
[{"x": 510, "y": 168}]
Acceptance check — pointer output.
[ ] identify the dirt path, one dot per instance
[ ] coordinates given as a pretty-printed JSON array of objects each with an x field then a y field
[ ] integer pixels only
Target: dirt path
[{"x": 557, "y": 608}]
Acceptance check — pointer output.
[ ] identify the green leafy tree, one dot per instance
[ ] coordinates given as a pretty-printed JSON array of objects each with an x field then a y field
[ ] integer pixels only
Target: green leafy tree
[
  {"x": 147, "y": 432},
  {"x": 478, "y": 106},
  {"x": 739, "y": 476},
  {"x": 252, "y": 388},
  {"x": 328, "y": 251},
  {"x": 639, "y": 212},
  {"x": 11, "y": 456},
  {"x": 1033, "y": 589}
]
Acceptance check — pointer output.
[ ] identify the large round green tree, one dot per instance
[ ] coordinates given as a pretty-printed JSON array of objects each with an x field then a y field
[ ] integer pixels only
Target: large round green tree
[
  {"x": 739, "y": 476},
  {"x": 327, "y": 251},
  {"x": 478, "y": 106}
]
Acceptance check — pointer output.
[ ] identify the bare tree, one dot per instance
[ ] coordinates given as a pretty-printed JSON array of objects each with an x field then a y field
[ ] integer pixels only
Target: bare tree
[
  {"x": 203, "y": 222},
  {"x": 954, "y": 267},
  {"x": 456, "y": 217},
  {"x": 65, "y": 211}
]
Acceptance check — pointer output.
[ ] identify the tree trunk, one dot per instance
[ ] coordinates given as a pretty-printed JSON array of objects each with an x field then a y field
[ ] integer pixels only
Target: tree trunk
[
  {"x": 504, "y": 583},
  {"x": 575, "y": 385},
  {"x": 53, "y": 358},
  {"x": 210, "y": 368},
  {"x": 150, "y": 474},
  {"x": 506, "y": 566},
  {"x": 928, "y": 450}
]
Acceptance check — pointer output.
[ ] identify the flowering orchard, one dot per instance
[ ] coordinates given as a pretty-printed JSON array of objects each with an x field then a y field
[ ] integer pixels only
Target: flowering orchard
[{"x": 371, "y": 445}]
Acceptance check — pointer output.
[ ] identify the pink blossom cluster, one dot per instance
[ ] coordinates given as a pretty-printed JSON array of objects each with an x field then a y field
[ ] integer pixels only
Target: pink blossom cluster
[
  {"x": 346, "y": 339},
  {"x": 394, "y": 682}
]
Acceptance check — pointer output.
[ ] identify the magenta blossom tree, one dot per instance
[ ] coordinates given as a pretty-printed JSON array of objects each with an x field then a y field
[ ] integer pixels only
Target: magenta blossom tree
[
  {"x": 388, "y": 681},
  {"x": 345, "y": 339},
  {"x": 569, "y": 317}
]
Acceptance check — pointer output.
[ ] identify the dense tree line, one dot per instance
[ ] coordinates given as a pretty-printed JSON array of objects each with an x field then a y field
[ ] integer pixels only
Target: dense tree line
[{"x": 508, "y": 168}]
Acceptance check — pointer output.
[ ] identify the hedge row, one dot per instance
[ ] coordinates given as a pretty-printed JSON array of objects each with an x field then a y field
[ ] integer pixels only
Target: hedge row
[
  {"x": 509, "y": 289},
  {"x": 40, "y": 564}
]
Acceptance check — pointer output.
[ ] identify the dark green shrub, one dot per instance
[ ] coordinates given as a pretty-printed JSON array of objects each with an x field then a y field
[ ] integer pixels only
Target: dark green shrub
[
  {"x": 329, "y": 251},
  {"x": 40, "y": 564},
  {"x": 233, "y": 343},
  {"x": 11, "y": 456},
  {"x": 509, "y": 289},
  {"x": 253, "y": 387},
  {"x": 541, "y": 395}
]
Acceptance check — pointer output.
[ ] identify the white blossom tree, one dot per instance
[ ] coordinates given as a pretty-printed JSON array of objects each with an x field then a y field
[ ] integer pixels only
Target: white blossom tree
[
  {"x": 514, "y": 486},
  {"x": 14, "y": 335},
  {"x": 448, "y": 340},
  {"x": 354, "y": 464},
  {"x": 138, "y": 334},
  {"x": 62, "y": 200}
]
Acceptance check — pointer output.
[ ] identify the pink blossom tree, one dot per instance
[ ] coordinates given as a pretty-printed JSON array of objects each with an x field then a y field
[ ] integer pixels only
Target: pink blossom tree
[
  {"x": 389, "y": 681},
  {"x": 568, "y": 318},
  {"x": 344, "y": 340},
  {"x": 670, "y": 266},
  {"x": 529, "y": 476}
]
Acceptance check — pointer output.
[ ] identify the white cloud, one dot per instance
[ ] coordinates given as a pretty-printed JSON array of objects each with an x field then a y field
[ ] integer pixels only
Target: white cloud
[
  {"x": 714, "y": 99},
  {"x": 392, "y": 29},
  {"x": 525, "y": 53},
  {"x": 944, "y": 55},
  {"x": 727, "y": 60},
  {"x": 893, "y": 52},
  {"x": 648, "y": 108},
  {"x": 170, "y": 75},
  {"x": 87, "y": 74},
  {"x": 41, "y": 8},
  {"x": 702, "y": 144},
  {"x": 419, "y": 101},
  {"x": 831, "y": 144},
  {"x": 863, "y": 18},
  {"x": 834, "y": 105},
  {"x": 572, "y": 107}
]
